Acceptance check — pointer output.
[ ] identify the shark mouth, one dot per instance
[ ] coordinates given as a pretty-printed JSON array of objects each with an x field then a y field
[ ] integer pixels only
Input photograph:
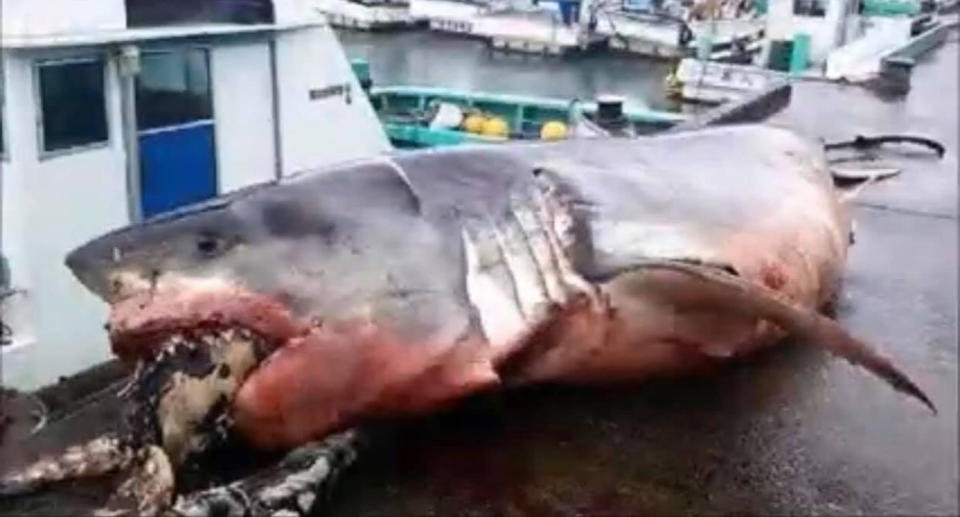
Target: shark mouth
[
  {"x": 194, "y": 348},
  {"x": 141, "y": 326},
  {"x": 177, "y": 420},
  {"x": 195, "y": 345}
]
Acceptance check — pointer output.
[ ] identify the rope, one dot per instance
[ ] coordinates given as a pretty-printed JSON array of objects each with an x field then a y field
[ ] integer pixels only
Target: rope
[{"x": 861, "y": 143}]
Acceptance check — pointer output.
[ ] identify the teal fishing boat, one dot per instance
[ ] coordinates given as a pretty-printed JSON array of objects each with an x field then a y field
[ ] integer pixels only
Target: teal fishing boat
[
  {"x": 422, "y": 116},
  {"x": 416, "y": 116}
]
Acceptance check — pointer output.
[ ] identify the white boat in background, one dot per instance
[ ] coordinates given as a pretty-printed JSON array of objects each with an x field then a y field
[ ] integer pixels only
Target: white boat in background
[
  {"x": 670, "y": 33},
  {"x": 368, "y": 14},
  {"x": 544, "y": 27},
  {"x": 533, "y": 30},
  {"x": 559, "y": 26},
  {"x": 712, "y": 82},
  {"x": 456, "y": 16},
  {"x": 735, "y": 40},
  {"x": 649, "y": 34}
]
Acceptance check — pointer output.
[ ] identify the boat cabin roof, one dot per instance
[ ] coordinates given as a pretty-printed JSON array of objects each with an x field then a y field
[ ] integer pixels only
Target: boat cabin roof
[
  {"x": 35, "y": 24},
  {"x": 27, "y": 41}
]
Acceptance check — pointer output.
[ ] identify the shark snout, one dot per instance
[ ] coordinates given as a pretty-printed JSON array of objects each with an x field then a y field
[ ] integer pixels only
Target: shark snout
[
  {"x": 110, "y": 273},
  {"x": 88, "y": 266}
]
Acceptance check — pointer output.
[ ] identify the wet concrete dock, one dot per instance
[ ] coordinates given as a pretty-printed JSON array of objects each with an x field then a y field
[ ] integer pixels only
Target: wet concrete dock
[{"x": 792, "y": 431}]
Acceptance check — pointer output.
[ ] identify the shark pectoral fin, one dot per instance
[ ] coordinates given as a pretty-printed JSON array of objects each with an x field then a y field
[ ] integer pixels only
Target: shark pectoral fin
[{"x": 689, "y": 285}]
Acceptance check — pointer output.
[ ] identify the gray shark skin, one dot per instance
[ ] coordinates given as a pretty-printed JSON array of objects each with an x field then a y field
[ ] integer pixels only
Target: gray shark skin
[{"x": 398, "y": 284}]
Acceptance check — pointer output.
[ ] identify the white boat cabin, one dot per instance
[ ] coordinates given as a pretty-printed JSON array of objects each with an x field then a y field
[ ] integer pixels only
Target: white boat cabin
[
  {"x": 828, "y": 23},
  {"x": 115, "y": 110}
]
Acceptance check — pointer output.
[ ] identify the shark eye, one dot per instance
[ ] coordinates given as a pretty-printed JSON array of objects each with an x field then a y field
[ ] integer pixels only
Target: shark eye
[{"x": 209, "y": 245}]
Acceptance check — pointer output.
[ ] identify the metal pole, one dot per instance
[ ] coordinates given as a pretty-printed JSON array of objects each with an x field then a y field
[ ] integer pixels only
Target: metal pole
[
  {"x": 275, "y": 106},
  {"x": 129, "y": 66}
]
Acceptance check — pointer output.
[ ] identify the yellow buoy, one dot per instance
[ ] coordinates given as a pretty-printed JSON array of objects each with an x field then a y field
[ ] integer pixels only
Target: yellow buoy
[
  {"x": 673, "y": 85},
  {"x": 553, "y": 130},
  {"x": 495, "y": 126},
  {"x": 474, "y": 124}
]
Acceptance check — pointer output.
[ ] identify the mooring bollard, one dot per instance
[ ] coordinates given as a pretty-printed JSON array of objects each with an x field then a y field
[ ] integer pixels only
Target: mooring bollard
[{"x": 895, "y": 72}]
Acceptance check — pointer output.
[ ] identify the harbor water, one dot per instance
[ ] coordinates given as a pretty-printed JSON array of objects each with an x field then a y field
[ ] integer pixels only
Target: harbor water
[{"x": 423, "y": 58}]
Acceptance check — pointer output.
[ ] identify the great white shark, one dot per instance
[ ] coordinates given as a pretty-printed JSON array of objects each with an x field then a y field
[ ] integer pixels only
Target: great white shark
[{"x": 398, "y": 284}]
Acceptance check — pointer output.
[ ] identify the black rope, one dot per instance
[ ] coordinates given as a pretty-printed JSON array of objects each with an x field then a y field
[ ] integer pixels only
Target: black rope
[{"x": 862, "y": 143}]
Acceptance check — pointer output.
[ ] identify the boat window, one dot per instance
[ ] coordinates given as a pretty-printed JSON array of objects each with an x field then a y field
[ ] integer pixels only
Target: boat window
[
  {"x": 810, "y": 7},
  {"x": 149, "y": 13},
  {"x": 173, "y": 88},
  {"x": 72, "y": 104}
]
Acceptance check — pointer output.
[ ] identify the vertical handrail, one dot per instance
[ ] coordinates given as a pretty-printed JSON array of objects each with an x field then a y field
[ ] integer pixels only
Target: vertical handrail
[
  {"x": 128, "y": 63},
  {"x": 275, "y": 108}
]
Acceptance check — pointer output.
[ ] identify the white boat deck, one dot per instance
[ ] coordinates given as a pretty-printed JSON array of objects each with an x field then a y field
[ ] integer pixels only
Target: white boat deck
[
  {"x": 716, "y": 83},
  {"x": 367, "y": 15},
  {"x": 663, "y": 37},
  {"x": 729, "y": 29},
  {"x": 455, "y": 16},
  {"x": 538, "y": 31}
]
